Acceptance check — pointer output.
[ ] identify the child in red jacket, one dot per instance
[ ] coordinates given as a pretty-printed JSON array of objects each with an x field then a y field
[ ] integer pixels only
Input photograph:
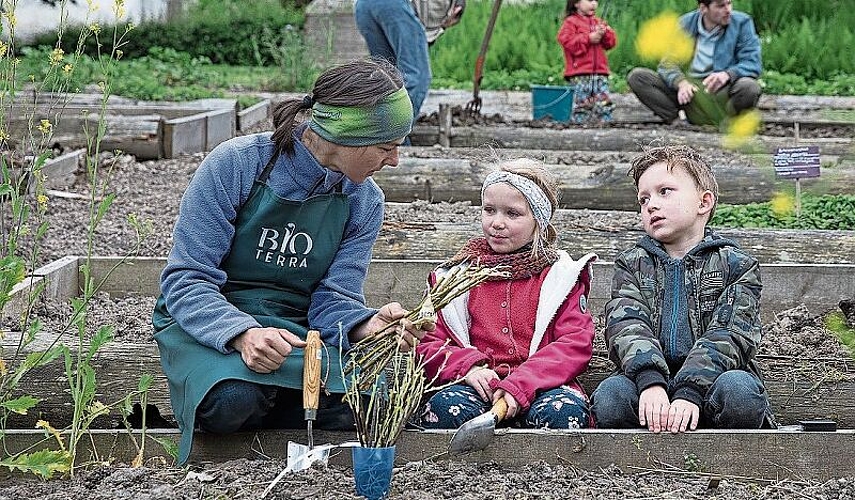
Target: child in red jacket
[
  {"x": 523, "y": 339},
  {"x": 585, "y": 39}
]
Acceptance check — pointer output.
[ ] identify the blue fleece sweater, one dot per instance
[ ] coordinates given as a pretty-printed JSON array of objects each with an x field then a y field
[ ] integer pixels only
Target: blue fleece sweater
[{"x": 204, "y": 230}]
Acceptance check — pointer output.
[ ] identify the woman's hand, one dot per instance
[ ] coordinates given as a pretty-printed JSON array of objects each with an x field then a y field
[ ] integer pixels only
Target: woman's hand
[
  {"x": 263, "y": 350},
  {"x": 410, "y": 334},
  {"x": 479, "y": 377}
]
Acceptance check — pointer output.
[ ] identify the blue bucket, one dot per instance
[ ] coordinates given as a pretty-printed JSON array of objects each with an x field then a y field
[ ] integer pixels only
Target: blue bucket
[{"x": 553, "y": 102}]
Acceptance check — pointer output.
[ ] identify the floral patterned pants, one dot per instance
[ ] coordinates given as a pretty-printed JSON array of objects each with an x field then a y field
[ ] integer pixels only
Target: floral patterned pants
[
  {"x": 591, "y": 100},
  {"x": 560, "y": 408}
]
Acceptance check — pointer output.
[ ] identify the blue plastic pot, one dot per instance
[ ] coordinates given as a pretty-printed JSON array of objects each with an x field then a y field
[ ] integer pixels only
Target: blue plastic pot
[{"x": 372, "y": 471}]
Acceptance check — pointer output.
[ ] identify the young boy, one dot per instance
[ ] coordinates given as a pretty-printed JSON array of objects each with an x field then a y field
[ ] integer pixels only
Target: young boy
[{"x": 683, "y": 322}]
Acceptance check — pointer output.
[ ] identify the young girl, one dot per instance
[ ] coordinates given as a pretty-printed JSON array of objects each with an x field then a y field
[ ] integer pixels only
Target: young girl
[
  {"x": 523, "y": 339},
  {"x": 585, "y": 39}
]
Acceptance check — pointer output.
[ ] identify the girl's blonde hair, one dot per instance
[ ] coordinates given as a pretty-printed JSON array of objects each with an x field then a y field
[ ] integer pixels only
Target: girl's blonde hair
[{"x": 536, "y": 172}]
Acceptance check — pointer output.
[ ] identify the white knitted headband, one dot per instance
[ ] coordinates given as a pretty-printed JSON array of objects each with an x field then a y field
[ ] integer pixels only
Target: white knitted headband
[{"x": 541, "y": 208}]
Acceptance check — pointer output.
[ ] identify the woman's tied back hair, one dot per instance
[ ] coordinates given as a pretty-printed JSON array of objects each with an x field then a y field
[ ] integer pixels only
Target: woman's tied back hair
[
  {"x": 357, "y": 83},
  {"x": 677, "y": 156},
  {"x": 536, "y": 172}
]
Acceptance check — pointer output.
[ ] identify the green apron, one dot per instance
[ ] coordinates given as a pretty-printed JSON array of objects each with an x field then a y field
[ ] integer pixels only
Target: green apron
[{"x": 280, "y": 252}]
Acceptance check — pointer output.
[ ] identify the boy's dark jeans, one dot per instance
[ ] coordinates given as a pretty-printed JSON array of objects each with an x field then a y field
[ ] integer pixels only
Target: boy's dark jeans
[{"x": 736, "y": 400}]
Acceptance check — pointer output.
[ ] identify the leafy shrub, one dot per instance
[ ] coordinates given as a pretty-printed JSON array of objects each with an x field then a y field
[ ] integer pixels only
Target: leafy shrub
[
  {"x": 817, "y": 212},
  {"x": 223, "y": 31}
]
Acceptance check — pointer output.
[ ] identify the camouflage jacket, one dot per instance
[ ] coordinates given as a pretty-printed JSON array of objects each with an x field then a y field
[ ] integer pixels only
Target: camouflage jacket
[{"x": 684, "y": 321}]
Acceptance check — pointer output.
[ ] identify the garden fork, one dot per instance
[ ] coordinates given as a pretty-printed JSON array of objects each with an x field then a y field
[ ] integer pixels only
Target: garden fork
[{"x": 474, "y": 106}]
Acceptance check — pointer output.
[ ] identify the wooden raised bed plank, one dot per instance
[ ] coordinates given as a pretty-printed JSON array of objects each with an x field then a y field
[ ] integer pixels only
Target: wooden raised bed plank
[
  {"x": 603, "y": 186},
  {"x": 197, "y": 133},
  {"x": 120, "y": 365},
  {"x": 784, "y": 109},
  {"x": 439, "y": 240},
  {"x": 819, "y": 286},
  {"x": 258, "y": 112},
  {"x": 607, "y": 139},
  {"x": 148, "y": 130},
  {"x": 759, "y": 455}
]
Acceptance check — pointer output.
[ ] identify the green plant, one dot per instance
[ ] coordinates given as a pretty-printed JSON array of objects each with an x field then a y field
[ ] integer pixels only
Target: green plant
[
  {"x": 23, "y": 206},
  {"x": 836, "y": 324},
  {"x": 222, "y": 31},
  {"x": 692, "y": 463},
  {"x": 817, "y": 212},
  {"x": 523, "y": 43},
  {"x": 290, "y": 54}
]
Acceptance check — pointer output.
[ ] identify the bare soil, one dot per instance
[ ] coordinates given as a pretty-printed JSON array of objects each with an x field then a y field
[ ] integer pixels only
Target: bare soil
[
  {"x": 245, "y": 479},
  {"x": 151, "y": 191}
]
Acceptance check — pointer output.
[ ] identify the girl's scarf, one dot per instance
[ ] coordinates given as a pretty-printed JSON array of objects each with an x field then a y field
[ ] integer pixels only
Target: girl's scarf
[{"x": 521, "y": 264}]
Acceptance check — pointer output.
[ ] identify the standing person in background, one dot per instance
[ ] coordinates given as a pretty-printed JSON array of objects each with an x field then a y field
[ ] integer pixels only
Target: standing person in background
[
  {"x": 725, "y": 67},
  {"x": 400, "y": 32},
  {"x": 524, "y": 338},
  {"x": 274, "y": 237},
  {"x": 585, "y": 39}
]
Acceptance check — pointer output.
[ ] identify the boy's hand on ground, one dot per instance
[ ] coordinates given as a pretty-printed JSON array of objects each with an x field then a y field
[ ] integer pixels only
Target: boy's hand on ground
[
  {"x": 653, "y": 408},
  {"x": 479, "y": 378},
  {"x": 685, "y": 92},
  {"x": 682, "y": 415}
]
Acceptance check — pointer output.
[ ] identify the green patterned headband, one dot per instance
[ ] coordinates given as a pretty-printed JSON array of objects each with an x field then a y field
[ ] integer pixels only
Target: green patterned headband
[{"x": 389, "y": 120}]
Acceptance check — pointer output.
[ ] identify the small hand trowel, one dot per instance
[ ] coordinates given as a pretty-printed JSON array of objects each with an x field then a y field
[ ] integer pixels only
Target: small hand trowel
[
  {"x": 476, "y": 434},
  {"x": 299, "y": 456}
]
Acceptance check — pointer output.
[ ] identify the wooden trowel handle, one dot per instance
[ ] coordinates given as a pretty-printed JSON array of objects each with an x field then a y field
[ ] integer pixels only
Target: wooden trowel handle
[
  {"x": 312, "y": 373},
  {"x": 500, "y": 409}
]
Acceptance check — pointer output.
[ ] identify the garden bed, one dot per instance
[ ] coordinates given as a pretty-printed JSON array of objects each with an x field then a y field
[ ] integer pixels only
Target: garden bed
[{"x": 799, "y": 353}]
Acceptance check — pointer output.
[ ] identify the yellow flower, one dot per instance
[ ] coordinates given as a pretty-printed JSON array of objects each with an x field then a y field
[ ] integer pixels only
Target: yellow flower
[
  {"x": 67, "y": 68},
  {"x": 661, "y": 38},
  {"x": 43, "y": 201},
  {"x": 782, "y": 204},
  {"x": 45, "y": 127},
  {"x": 95, "y": 28},
  {"x": 3, "y": 49},
  {"x": 56, "y": 56},
  {"x": 4, "y": 135},
  {"x": 742, "y": 128},
  {"x": 3, "y": 369},
  {"x": 119, "y": 9},
  {"x": 10, "y": 17}
]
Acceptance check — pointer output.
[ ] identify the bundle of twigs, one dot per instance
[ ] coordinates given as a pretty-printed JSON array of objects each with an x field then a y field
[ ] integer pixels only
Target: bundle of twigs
[
  {"x": 383, "y": 414},
  {"x": 373, "y": 353}
]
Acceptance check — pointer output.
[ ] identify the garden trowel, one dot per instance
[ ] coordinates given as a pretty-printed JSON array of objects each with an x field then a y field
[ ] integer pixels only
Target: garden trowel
[
  {"x": 477, "y": 433},
  {"x": 299, "y": 456}
]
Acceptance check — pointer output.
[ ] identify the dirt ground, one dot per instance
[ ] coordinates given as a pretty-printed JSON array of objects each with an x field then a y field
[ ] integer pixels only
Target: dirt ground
[
  {"x": 151, "y": 190},
  {"x": 244, "y": 479}
]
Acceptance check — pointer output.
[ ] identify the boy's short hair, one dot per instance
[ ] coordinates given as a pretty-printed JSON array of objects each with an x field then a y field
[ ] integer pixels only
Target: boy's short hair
[{"x": 678, "y": 156}]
